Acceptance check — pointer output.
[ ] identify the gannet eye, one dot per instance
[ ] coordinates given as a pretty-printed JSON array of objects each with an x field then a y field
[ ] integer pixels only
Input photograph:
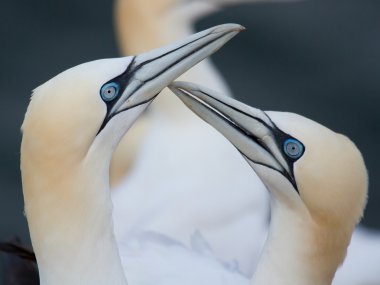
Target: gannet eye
[
  {"x": 293, "y": 148},
  {"x": 109, "y": 91}
]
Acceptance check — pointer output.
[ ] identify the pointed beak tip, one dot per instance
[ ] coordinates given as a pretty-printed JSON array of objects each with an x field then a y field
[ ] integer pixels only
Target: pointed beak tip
[
  {"x": 236, "y": 27},
  {"x": 157, "y": 68},
  {"x": 241, "y": 28},
  {"x": 228, "y": 28}
]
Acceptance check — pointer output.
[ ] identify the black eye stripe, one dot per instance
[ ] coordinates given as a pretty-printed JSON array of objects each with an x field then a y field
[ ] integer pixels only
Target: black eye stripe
[{"x": 124, "y": 79}]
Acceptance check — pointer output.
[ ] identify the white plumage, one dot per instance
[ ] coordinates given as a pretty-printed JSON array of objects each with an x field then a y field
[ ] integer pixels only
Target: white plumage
[
  {"x": 177, "y": 204},
  {"x": 171, "y": 189},
  {"x": 151, "y": 258},
  {"x": 70, "y": 131},
  {"x": 317, "y": 180},
  {"x": 180, "y": 184},
  {"x": 167, "y": 233}
]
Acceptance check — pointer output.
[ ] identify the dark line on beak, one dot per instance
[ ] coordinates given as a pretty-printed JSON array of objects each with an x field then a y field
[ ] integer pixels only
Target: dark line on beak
[
  {"x": 131, "y": 70},
  {"x": 243, "y": 131},
  {"x": 169, "y": 52},
  {"x": 136, "y": 105},
  {"x": 186, "y": 56},
  {"x": 125, "y": 109},
  {"x": 284, "y": 173},
  {"x": 238, "y": 110},
  {"x": 275, "y": 130},
  {"x": 170, "y": 65}
]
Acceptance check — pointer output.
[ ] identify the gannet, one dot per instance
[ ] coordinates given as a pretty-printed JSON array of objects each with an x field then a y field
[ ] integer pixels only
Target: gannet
[
  {"x": 185, "y": 196},
  {"x": 170, "y": 131},
  {"x": 71, "y": 128},
  {"x": 316, "y": 178}
]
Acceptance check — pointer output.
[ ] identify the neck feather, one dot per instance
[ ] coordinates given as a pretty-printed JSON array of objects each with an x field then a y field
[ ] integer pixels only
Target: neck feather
[
  {"x": 69, "y": 212},
  {"x": 143, "y": 25},
  {"x": 299, "y": 250}
]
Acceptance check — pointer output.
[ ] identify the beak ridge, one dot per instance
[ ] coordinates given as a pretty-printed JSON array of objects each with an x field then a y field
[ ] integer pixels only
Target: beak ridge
[
  {"x": 249, "y": 129},
  {"x": 152, "y": 71}
]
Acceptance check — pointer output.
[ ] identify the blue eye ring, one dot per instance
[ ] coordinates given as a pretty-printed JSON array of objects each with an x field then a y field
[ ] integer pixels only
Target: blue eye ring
[
  {"x": 293, "y": 148},
  {"x": 109, "y": 91}
]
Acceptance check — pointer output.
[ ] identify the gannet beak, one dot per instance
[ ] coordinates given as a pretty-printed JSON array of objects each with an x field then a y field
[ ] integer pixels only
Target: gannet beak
[
  {"x": 150, "y": 72},
  {"x": 249, "y": 129}
]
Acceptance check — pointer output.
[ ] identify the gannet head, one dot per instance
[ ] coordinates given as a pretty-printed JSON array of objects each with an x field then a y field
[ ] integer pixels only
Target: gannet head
[
  {"x": 98, "y": 101},
  {"x": 71, "y": 128},
  {"x": 303, "y": 164}
]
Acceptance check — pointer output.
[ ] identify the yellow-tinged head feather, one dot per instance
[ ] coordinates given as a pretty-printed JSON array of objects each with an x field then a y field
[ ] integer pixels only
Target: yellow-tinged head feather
[
  {"x": 331, "y": 175},
  {"x": 66, "y": 112}
]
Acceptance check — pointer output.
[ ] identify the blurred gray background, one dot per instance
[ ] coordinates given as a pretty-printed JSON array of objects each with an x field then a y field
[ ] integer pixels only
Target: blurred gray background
[{"x": 320, "y": 59}]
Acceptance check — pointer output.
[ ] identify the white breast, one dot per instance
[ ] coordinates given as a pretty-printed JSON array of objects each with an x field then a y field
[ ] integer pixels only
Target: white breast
[{"x": 189, "y": 178}]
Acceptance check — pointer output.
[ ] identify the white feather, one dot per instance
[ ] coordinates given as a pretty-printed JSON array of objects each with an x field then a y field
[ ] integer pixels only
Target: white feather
[
  {"x": 211, "y": 189},
  {"x": 172, "y": 191},
  {"x": 151, "y": 258}
]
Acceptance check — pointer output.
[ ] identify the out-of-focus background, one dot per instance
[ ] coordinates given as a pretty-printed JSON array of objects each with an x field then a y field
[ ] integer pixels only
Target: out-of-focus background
[{"x": 320, "y": 59}]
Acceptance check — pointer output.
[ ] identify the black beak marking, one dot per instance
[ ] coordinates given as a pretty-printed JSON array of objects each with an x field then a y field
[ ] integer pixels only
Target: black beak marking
[
  {"x": 279, "y": 135},
  {"x": 124, "y": 78}
]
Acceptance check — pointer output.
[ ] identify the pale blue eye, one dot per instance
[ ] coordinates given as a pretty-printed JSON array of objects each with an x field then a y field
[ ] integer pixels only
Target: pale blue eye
[
  {"x": 293, "y": 148},
  {"x": 109, "y": 91}
]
